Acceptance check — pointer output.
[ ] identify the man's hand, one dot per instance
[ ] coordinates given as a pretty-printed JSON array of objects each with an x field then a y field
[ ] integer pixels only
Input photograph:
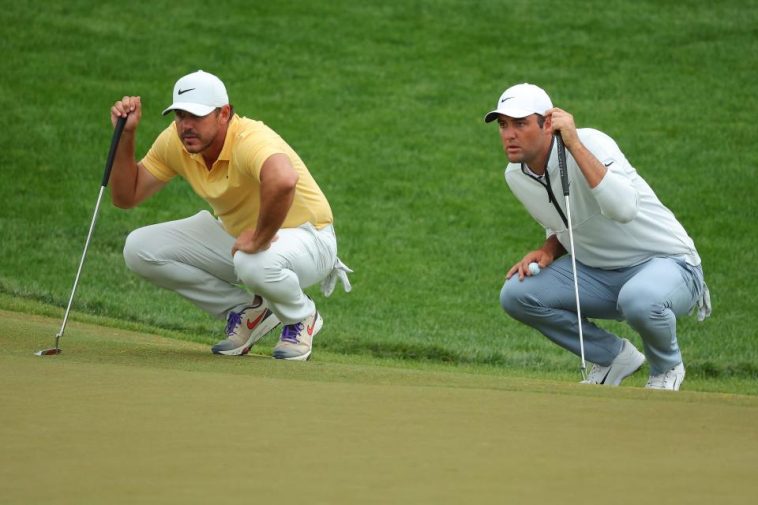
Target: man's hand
[
  {"x": 539, "y": 256},
  {"x": 543, "y": 256},
  {"x": 563, "y": 122},
  {"x": 129, "y": 107},
  {"x": 247, "y": 242},
  {"x": 591, "y": 167}
]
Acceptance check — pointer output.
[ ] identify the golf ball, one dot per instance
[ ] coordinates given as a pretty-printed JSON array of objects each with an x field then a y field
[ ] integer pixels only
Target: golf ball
[{"x": 534, "y": 268}]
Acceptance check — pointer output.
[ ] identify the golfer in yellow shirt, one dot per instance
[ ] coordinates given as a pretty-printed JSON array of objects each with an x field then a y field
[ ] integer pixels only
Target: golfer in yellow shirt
[{"x": 273, "y": 228}]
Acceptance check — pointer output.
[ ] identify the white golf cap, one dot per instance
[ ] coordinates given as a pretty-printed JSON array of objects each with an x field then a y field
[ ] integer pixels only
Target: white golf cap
[
  {"x": 520, "y": 101},
  {"x": 198, "y": 93}
]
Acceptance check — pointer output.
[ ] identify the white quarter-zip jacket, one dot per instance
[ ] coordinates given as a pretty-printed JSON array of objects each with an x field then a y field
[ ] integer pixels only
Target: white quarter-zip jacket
[{"x": 617, "y": 224}]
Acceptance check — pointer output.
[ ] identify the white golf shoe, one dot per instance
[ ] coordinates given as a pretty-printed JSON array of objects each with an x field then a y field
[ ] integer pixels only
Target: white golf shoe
[
  {"x": 296, "y": 340},
  {"x": 245, "y": 328},
  {"x": 670, "y": 380},
  {"x": 628, "y": 361}
]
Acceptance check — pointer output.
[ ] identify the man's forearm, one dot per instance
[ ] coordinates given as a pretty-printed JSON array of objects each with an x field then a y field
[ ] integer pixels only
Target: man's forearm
[
  {"x": 273, "y": 212},
  {"x": 553, "y": 247},
  {"x": 591, "y": 167},
  {"x": 123, "y": 181}
]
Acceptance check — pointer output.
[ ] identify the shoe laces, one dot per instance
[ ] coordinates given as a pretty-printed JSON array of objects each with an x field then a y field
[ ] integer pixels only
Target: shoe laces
[
  {"x": 232, "y": 323},
  {"x": 290, "y": 332},
  {"x": 662, "y": 379}
]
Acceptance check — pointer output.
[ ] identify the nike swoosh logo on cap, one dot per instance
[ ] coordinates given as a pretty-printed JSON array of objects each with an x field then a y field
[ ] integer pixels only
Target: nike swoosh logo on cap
[
  {"x": 183, "y": 91},
  {"x": 506, "y": 98}
]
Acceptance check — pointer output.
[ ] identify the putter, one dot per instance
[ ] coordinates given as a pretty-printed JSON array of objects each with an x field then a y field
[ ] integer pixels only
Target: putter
[
  {"x": 565, "y": 185},
  {"x": 108, "y": 165}
]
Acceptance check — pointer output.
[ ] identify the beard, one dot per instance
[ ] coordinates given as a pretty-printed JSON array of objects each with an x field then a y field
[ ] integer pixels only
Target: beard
[{"x": 193, "y": 143}]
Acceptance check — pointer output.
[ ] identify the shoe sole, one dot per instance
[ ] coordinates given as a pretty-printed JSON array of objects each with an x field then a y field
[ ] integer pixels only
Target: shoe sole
[
  {"x": 675, "y": 388},
  {"x": 302, "y": 357},
  {"x": 264, "y": 327},
  {"x": 306, "y": 356}
]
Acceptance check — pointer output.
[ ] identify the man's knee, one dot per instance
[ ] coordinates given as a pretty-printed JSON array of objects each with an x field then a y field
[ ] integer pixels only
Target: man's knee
[
  {"x": 256, "y": 270},
  {"x": 137, "y": 253},
  {"x": 512, "y": 297},
  {"x": 639, "y": 306}
]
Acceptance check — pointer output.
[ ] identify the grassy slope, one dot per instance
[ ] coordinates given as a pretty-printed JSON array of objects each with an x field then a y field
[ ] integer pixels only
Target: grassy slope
[{"x": 384, "y": 102}]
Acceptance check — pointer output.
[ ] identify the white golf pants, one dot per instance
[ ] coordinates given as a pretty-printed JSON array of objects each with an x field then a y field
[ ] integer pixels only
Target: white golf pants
[{"x": 193, "y": 257}]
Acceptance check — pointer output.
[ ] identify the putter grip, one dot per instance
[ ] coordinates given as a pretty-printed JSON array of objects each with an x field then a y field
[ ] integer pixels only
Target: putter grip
[
  {"x": 112, "y": 153},
  {"x": 562, "y": 163}
]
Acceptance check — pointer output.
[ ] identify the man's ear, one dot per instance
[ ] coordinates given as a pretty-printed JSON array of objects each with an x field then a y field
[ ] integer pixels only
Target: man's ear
[{"x": 226, "y": 112}]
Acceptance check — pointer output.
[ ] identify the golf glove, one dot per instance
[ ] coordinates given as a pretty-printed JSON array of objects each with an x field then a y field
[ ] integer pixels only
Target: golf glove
[
  {"x": 704, "y": 304},
  {"x": 340, "y": 272}
]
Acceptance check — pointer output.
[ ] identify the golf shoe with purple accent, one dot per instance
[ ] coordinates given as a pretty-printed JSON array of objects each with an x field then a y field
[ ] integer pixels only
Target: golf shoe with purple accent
[
  {"x": 296, "y": 340},
  {"x": 245, "y": 328}
]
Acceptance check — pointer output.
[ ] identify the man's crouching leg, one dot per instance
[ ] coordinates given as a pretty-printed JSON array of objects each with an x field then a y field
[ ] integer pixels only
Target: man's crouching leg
[{"x": 299, "y": 258}]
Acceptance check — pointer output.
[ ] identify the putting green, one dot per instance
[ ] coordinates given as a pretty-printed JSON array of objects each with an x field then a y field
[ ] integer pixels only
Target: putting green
[{"x": 122, "y": 417}]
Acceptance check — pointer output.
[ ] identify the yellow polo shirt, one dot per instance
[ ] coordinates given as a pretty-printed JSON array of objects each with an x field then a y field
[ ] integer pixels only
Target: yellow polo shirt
[{"x": 232, "y": 186}]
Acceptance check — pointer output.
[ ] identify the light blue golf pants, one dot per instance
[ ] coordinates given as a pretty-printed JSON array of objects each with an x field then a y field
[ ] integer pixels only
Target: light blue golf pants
[{"x": 649, "y": 297}]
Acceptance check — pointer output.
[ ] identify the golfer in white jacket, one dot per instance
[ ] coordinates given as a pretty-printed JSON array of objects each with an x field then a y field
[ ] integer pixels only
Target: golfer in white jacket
[{"x": 635, "y": 262}]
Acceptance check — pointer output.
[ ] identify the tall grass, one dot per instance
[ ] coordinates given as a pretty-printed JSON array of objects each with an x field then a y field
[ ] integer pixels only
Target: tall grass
[{"x": 384, "y": 101}]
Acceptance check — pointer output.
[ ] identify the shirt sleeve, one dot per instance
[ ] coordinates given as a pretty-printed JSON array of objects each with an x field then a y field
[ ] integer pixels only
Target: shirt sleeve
[
  {"x": 156, "y": 161},
  {"x": 259, "y": 158},
  {"x": 615, "y": 194},
  {"x": 258, "y": 148}
]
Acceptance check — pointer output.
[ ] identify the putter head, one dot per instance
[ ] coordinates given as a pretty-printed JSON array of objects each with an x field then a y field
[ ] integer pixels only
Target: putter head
[{"x": 49, "y": 352}]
